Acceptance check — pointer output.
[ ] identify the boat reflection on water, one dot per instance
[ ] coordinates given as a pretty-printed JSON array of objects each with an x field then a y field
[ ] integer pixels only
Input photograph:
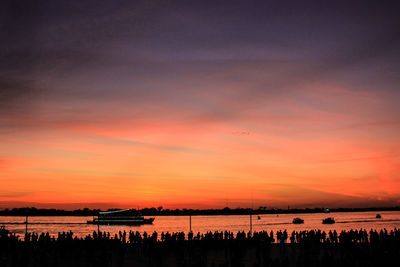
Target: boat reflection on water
[
  {"x": 329, "y": 220},
  {"x": 120, "y": 217},
  {"x": 298, "y": 221}
]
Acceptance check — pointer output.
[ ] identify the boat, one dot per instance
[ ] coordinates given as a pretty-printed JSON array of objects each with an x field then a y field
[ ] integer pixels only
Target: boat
[
  {"x": 298, "y": 220},
  {"x": 378, "y": 216},
  {"x": 120, "y": 217},
  {"x": 258, "y": 218},
  {"x": 328, "y": 220}
]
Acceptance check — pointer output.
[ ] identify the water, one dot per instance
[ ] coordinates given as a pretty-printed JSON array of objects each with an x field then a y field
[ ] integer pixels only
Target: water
[{"x": 202, "y": 224}]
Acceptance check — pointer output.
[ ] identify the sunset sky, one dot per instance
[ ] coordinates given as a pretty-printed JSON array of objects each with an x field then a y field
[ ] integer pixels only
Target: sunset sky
[{"x": 199, "y": 104}]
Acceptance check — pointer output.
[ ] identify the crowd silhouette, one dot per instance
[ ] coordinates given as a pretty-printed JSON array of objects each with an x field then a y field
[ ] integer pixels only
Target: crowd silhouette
[
  {"x": 299, "y": 248},
  {"x": 301, "y": 237}
]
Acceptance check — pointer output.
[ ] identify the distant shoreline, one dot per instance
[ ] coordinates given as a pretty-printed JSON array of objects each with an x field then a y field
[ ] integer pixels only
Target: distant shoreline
[{"x": 185, "y": 212}]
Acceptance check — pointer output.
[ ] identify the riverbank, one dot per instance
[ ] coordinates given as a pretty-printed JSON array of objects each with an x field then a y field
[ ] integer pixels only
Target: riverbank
[{"x": 305, "y": 248}]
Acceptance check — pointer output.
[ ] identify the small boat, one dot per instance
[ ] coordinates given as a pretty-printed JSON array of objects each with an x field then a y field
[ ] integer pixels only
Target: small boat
[
  {"x": 378, "y": 216},
  {"x": 258, "y": 218},
  {"x": 328, "y": 220},
  {"x": 120, "y": 217},
  {"x": 298, "y": 221}
]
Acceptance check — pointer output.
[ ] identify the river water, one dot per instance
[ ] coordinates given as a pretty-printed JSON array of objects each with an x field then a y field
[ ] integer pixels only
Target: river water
[{"x": 202, "y": 224}]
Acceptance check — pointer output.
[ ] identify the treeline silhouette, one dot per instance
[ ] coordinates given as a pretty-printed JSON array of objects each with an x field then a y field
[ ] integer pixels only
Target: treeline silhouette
[
  {"x": 160, "y": 211},
  {"x": 304, "y": 248}
]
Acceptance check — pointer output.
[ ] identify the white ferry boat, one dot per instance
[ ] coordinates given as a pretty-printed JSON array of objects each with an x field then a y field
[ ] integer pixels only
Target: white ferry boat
[{"x": 120, "y": 217}]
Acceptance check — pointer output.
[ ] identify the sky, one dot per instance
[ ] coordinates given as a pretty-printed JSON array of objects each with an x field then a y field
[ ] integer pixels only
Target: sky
[{"x": 199, "y": 104}]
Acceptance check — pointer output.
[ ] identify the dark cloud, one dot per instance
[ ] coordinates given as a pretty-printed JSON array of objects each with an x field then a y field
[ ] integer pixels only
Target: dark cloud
[
  {"x": 15, "y": 95},
  {"x": 177, "y": 53},
  {"x": 306, "y": 197},
  {"x": 168, "y": 148},
  {"x": 66, "y": 206},
  {"x": 8, "y": 194}
]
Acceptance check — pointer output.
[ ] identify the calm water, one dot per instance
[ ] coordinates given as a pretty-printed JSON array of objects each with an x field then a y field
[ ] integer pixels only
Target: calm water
[{"x": 202, "y": 224}]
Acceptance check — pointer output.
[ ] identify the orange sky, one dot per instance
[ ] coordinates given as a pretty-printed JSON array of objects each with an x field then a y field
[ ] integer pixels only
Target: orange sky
[
  {"x": 200, "y": 105},
  {"x": 311, "y": 158}
]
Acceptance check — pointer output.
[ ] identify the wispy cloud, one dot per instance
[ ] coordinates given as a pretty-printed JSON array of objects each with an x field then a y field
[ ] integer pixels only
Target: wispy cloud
[
  {"x": 126, "y": 142},
  {"x": 82, "y": 172},
  {"x": 16, "y": 194},
  {"x": 129, "y": 174}
]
